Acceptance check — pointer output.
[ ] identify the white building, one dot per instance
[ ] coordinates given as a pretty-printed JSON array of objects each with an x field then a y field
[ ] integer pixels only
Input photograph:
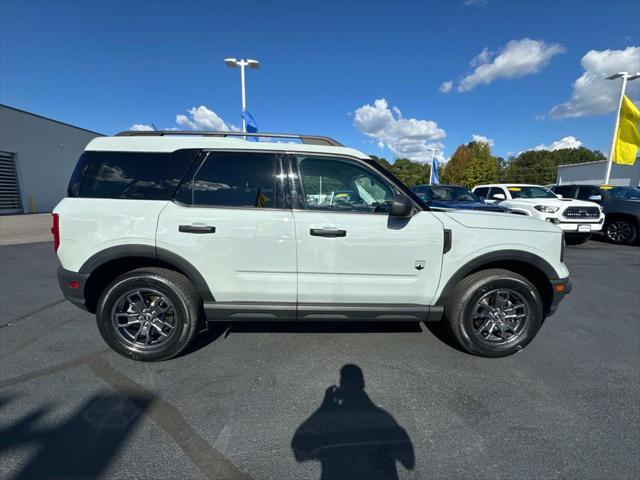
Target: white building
[
  {"x": 37, "y": 156},
  {"x": 593, "y": 173}
]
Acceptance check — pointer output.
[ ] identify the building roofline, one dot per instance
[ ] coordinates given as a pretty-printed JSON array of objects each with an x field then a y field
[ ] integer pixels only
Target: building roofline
[
  {"x": 50, "y": 119},
  {"x": 581, "y": 163}
]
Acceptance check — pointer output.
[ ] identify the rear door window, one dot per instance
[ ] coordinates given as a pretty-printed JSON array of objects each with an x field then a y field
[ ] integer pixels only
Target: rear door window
[
  {"x": 132, "y": 175},
  {"x": 233, "y": 179}
]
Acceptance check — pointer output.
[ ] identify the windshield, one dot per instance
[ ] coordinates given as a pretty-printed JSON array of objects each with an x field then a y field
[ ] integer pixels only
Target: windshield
[
  {"x": 622, "y": 193},
  {"x": 452, "y": 194},
  {"x": 531, "y": 192}
]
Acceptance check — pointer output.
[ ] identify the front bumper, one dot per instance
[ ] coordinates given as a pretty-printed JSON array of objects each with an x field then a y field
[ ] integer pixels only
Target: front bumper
[
  {"x": 72, "y": 285},
  {"x": 560, "y": 288},
  {"x": 574, "y": 226}
]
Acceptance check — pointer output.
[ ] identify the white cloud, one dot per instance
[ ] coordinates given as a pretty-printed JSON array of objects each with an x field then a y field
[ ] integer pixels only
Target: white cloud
[
  {"x": 474, "y": 3},
  {"x": 482, "y": 139},
  {"x": 566, "y": 142},
  {"x": 592, "y": 93},
  {"x": 446, "y": 86},
  {"x": 517, "y": 59},
  {"x": 483, "y": 57},
  {"x": 202, "y": 118},
  {"x": 141, "y": 127},
  {"x": 405, "y": 137}
]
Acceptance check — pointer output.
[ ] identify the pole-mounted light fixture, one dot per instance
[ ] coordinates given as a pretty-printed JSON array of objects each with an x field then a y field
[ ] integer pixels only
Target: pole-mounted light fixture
[{"x": 242, "y": 63}]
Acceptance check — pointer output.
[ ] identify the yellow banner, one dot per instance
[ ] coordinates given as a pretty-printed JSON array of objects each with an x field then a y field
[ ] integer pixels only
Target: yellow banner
[{"x": 628, "y": 137}]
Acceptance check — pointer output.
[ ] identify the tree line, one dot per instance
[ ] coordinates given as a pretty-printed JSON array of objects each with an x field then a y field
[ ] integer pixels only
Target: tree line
[{"x": 473, "y": 164}]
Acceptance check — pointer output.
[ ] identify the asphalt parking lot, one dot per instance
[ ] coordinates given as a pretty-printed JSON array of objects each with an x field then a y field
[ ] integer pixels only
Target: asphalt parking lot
[{"x": 568, "y": 406}]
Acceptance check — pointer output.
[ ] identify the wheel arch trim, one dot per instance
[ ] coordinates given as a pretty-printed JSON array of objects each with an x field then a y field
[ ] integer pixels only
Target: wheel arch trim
[
  {"x": 120, "y": 252},
  {"x": 490, "y": 258}
]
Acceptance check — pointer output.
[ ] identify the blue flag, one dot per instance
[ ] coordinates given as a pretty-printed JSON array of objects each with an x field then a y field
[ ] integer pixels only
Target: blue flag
[
  {"x": 252, "y": 126},
  {"x": 434, "y": 172}
]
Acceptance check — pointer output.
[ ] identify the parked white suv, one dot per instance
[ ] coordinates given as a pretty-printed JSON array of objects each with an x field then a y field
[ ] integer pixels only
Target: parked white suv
[
  {"x": 577, "y": 218},
  {"x": 162, "y": 230}
]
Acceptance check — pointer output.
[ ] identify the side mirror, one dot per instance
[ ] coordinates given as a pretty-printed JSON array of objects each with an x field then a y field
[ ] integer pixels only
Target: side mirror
[
  {"x": 595, "y": 198},
  {"x": 558, "y": 195},
  {"x": 498, "y": 196},
  {"x": 401, "y": 207}
]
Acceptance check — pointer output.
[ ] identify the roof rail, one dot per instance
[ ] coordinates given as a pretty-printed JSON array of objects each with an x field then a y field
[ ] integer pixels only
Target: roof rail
[{"x": 308, "y": 139}]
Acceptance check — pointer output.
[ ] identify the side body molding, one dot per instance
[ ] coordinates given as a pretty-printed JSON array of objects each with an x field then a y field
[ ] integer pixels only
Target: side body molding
[
  {"x": 491, "y": 258},
  {"x": 148, "y": 251}
]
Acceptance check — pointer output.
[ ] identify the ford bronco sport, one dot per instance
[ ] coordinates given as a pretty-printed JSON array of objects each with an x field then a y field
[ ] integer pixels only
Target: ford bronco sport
[{"x": 162, "y": 230}]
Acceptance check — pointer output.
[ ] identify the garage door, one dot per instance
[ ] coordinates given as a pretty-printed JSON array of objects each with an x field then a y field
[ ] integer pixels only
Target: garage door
[{"x": 10, "y": 200}]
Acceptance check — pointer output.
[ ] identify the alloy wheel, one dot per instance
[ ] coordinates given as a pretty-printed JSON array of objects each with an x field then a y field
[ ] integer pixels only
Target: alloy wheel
[
  {"x": 619, "y": 232},
  {"x": 144, "y": 318},
  {"x": 500, "y": 317}
]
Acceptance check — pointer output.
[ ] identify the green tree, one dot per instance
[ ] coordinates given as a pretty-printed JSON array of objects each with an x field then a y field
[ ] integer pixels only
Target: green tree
[
  {"x": 409, "y": 172},
  {"x": 470, "y": 165},
  {"x": 541, "y": 166}
]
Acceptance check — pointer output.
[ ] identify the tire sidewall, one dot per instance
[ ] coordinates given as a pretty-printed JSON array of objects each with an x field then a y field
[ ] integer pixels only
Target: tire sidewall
[
  {"x": 465, "y": 319},
  {"x": 143, "y": 280}
]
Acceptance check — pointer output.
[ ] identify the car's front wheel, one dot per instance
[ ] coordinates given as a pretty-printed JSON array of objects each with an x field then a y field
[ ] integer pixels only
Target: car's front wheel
[
  {"x": 149, "y": 314},
  {"x": 620, "y": 230},
  {"x": 494, "y": 313}
]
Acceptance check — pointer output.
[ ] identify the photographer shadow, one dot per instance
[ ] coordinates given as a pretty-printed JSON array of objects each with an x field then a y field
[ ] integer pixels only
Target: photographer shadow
[{"x": 350, "y": 436}]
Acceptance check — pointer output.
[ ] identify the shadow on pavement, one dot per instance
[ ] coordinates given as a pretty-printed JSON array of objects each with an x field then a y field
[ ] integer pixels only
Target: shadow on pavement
[
  {"x": 80, "y": 446},
  {"x": 351, "y": 437},
  {"x": 217, "y": 329}
]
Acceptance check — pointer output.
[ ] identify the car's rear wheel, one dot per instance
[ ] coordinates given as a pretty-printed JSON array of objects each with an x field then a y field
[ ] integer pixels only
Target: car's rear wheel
[
  {"x": 620, "y": 230},
  {"x": 149, "y": 314},
  {"x": 576, "y": 238},
  {"x": 494, "y": 313}
]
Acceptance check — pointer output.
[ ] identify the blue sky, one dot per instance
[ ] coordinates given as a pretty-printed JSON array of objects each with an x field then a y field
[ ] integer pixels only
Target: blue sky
[{"x": 106, "y": 66}]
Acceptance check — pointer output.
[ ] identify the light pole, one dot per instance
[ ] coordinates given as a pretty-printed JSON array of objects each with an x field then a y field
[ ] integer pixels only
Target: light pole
[
  {"x": 626, "y": 77},
  {"x": 233, "y": 63}
]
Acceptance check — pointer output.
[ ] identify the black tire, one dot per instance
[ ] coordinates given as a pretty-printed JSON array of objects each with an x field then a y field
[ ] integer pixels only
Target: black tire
[
  {"x": 184, "y": 316},
  {"x": 576, "y": 238},
  {"x": 471, "y": 290},
  {"x": 620, "y": 230}
]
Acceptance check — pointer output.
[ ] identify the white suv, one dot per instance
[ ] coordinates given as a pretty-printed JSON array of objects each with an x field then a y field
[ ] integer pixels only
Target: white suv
[
  {"x": 577, "y": 218},
  {"x": 162, "y": 230}
]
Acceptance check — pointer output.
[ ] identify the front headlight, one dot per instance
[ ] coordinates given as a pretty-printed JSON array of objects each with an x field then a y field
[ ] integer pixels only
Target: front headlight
[{"x": 546, "y": 209}]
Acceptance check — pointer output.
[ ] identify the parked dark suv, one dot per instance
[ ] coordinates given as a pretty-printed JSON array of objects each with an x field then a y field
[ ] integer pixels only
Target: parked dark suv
[
  {"x": 453, "y": 196},
  {"x": 621, "y": 208}
]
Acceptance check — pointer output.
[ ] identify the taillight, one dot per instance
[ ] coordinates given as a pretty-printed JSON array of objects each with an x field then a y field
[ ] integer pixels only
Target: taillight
[{"x": 55, "y": 229}]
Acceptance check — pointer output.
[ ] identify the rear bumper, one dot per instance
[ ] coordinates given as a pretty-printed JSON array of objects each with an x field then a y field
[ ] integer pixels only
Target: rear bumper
[
  {"x": 560, "y": 287},
  {"x": 66, "y": 279}
]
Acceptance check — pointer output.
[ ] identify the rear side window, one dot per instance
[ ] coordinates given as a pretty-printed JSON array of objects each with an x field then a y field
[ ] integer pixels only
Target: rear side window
[
  {"x": 78, "y": 174},
  {"x": 132, "y": 175},
  {"x": 232, "y": 179}
]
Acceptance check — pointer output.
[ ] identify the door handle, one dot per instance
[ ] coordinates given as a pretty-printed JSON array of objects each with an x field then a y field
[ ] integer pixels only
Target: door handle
[
  {"x": 326, "y": 232},
  {"x": 197, "y": 229}
]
